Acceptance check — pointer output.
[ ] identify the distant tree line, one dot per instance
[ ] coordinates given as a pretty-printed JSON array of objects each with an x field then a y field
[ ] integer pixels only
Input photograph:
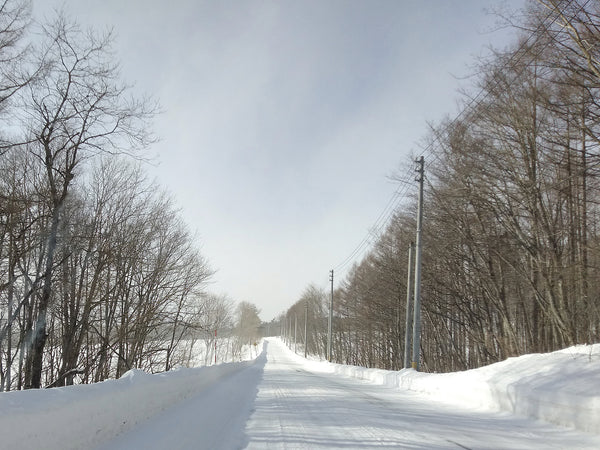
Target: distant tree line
[
  {"x": 98, "y": 273},
  {"x": 512, "y": 225}
]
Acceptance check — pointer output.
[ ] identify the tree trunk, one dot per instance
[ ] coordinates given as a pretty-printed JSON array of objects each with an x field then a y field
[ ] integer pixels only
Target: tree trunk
[{"x": 39, "y": 333}]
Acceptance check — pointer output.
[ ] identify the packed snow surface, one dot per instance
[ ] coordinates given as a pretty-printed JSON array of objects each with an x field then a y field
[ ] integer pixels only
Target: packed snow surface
[{"x": 282, "y": 401}]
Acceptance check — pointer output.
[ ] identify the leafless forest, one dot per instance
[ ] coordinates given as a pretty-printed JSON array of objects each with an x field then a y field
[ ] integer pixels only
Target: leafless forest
[
  {"x": 98, "y": 274},
  {"x": 511, "y": 243}
]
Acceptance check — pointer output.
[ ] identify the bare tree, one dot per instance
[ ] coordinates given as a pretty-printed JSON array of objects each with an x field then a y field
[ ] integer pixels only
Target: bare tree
[
  {"x": 511, "y": 242},
  {"x": 77, "y": 109},
  {"x": 213, "y": 322},
  {"x": 247, "y": 325},
  {"x": 14, "y": 19}
]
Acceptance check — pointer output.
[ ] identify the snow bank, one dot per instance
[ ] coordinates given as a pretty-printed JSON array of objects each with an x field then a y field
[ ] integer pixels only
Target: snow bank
[
  {"x": 560, "y": 387},
  {"x": 84, "y": 416}
]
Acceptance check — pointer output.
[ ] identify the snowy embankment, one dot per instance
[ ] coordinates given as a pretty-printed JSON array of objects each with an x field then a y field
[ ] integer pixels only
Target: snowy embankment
[
  {"x": 84, "y": 416},
  {"x": 560, "y": 387}
]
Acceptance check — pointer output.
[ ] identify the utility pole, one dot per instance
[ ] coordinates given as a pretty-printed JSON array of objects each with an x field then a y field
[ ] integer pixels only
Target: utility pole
[
  {"x": 409, "y": 309},
  {"x": 329, "y": 327},
  {"x": 417, "y": 312},
  {"x": 287, "y": 331},
  {"x": 295, "y": 332},
  {"x": 305, "y": 327}
]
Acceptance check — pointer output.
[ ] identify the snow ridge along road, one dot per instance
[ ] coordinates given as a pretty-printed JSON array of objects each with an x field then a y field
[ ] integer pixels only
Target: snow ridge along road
[
  {"x": 212, "y": 419},
  {"x": 298, "y": 408},
  {"x": 278, "y": 401},
  {"x": 85, "y": 416}
]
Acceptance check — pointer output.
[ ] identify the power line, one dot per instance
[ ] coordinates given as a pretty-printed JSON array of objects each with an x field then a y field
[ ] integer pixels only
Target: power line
[
  {"x": 400, "y": 194},
  {"x": 381, "y": 221}
]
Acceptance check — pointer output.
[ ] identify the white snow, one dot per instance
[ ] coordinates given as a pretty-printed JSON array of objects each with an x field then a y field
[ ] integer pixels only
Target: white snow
[
  {"x": 83, "y": 416},
  {"x": 281, "y": 400},
  {"x": 561, "y": 387}
]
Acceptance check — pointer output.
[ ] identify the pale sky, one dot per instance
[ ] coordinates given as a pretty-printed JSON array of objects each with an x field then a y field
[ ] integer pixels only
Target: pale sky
[{"x": 283, "y": 120}]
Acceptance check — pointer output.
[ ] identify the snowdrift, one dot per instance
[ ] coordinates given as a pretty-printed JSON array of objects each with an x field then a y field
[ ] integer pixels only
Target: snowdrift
[
  {"x": 84, "y": 416},
  {"x": 560, "y": 387}
]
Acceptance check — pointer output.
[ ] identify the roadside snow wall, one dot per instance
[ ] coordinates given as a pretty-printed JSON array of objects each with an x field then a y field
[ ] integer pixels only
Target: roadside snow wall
[
  {"x": 561, "y": 387},
  {"x": 84, "y": 416}
]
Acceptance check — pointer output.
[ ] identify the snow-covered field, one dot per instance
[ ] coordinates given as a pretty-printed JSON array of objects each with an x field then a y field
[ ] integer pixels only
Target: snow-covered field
[{"x": 281, "y": 400}]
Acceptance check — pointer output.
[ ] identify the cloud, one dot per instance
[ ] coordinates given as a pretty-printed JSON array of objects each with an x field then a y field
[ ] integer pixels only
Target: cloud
[{"x": 283, "y": 118}]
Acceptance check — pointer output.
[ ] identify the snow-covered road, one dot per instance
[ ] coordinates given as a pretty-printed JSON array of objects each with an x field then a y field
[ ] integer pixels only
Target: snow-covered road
[{"x": 278, "y": 403}]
